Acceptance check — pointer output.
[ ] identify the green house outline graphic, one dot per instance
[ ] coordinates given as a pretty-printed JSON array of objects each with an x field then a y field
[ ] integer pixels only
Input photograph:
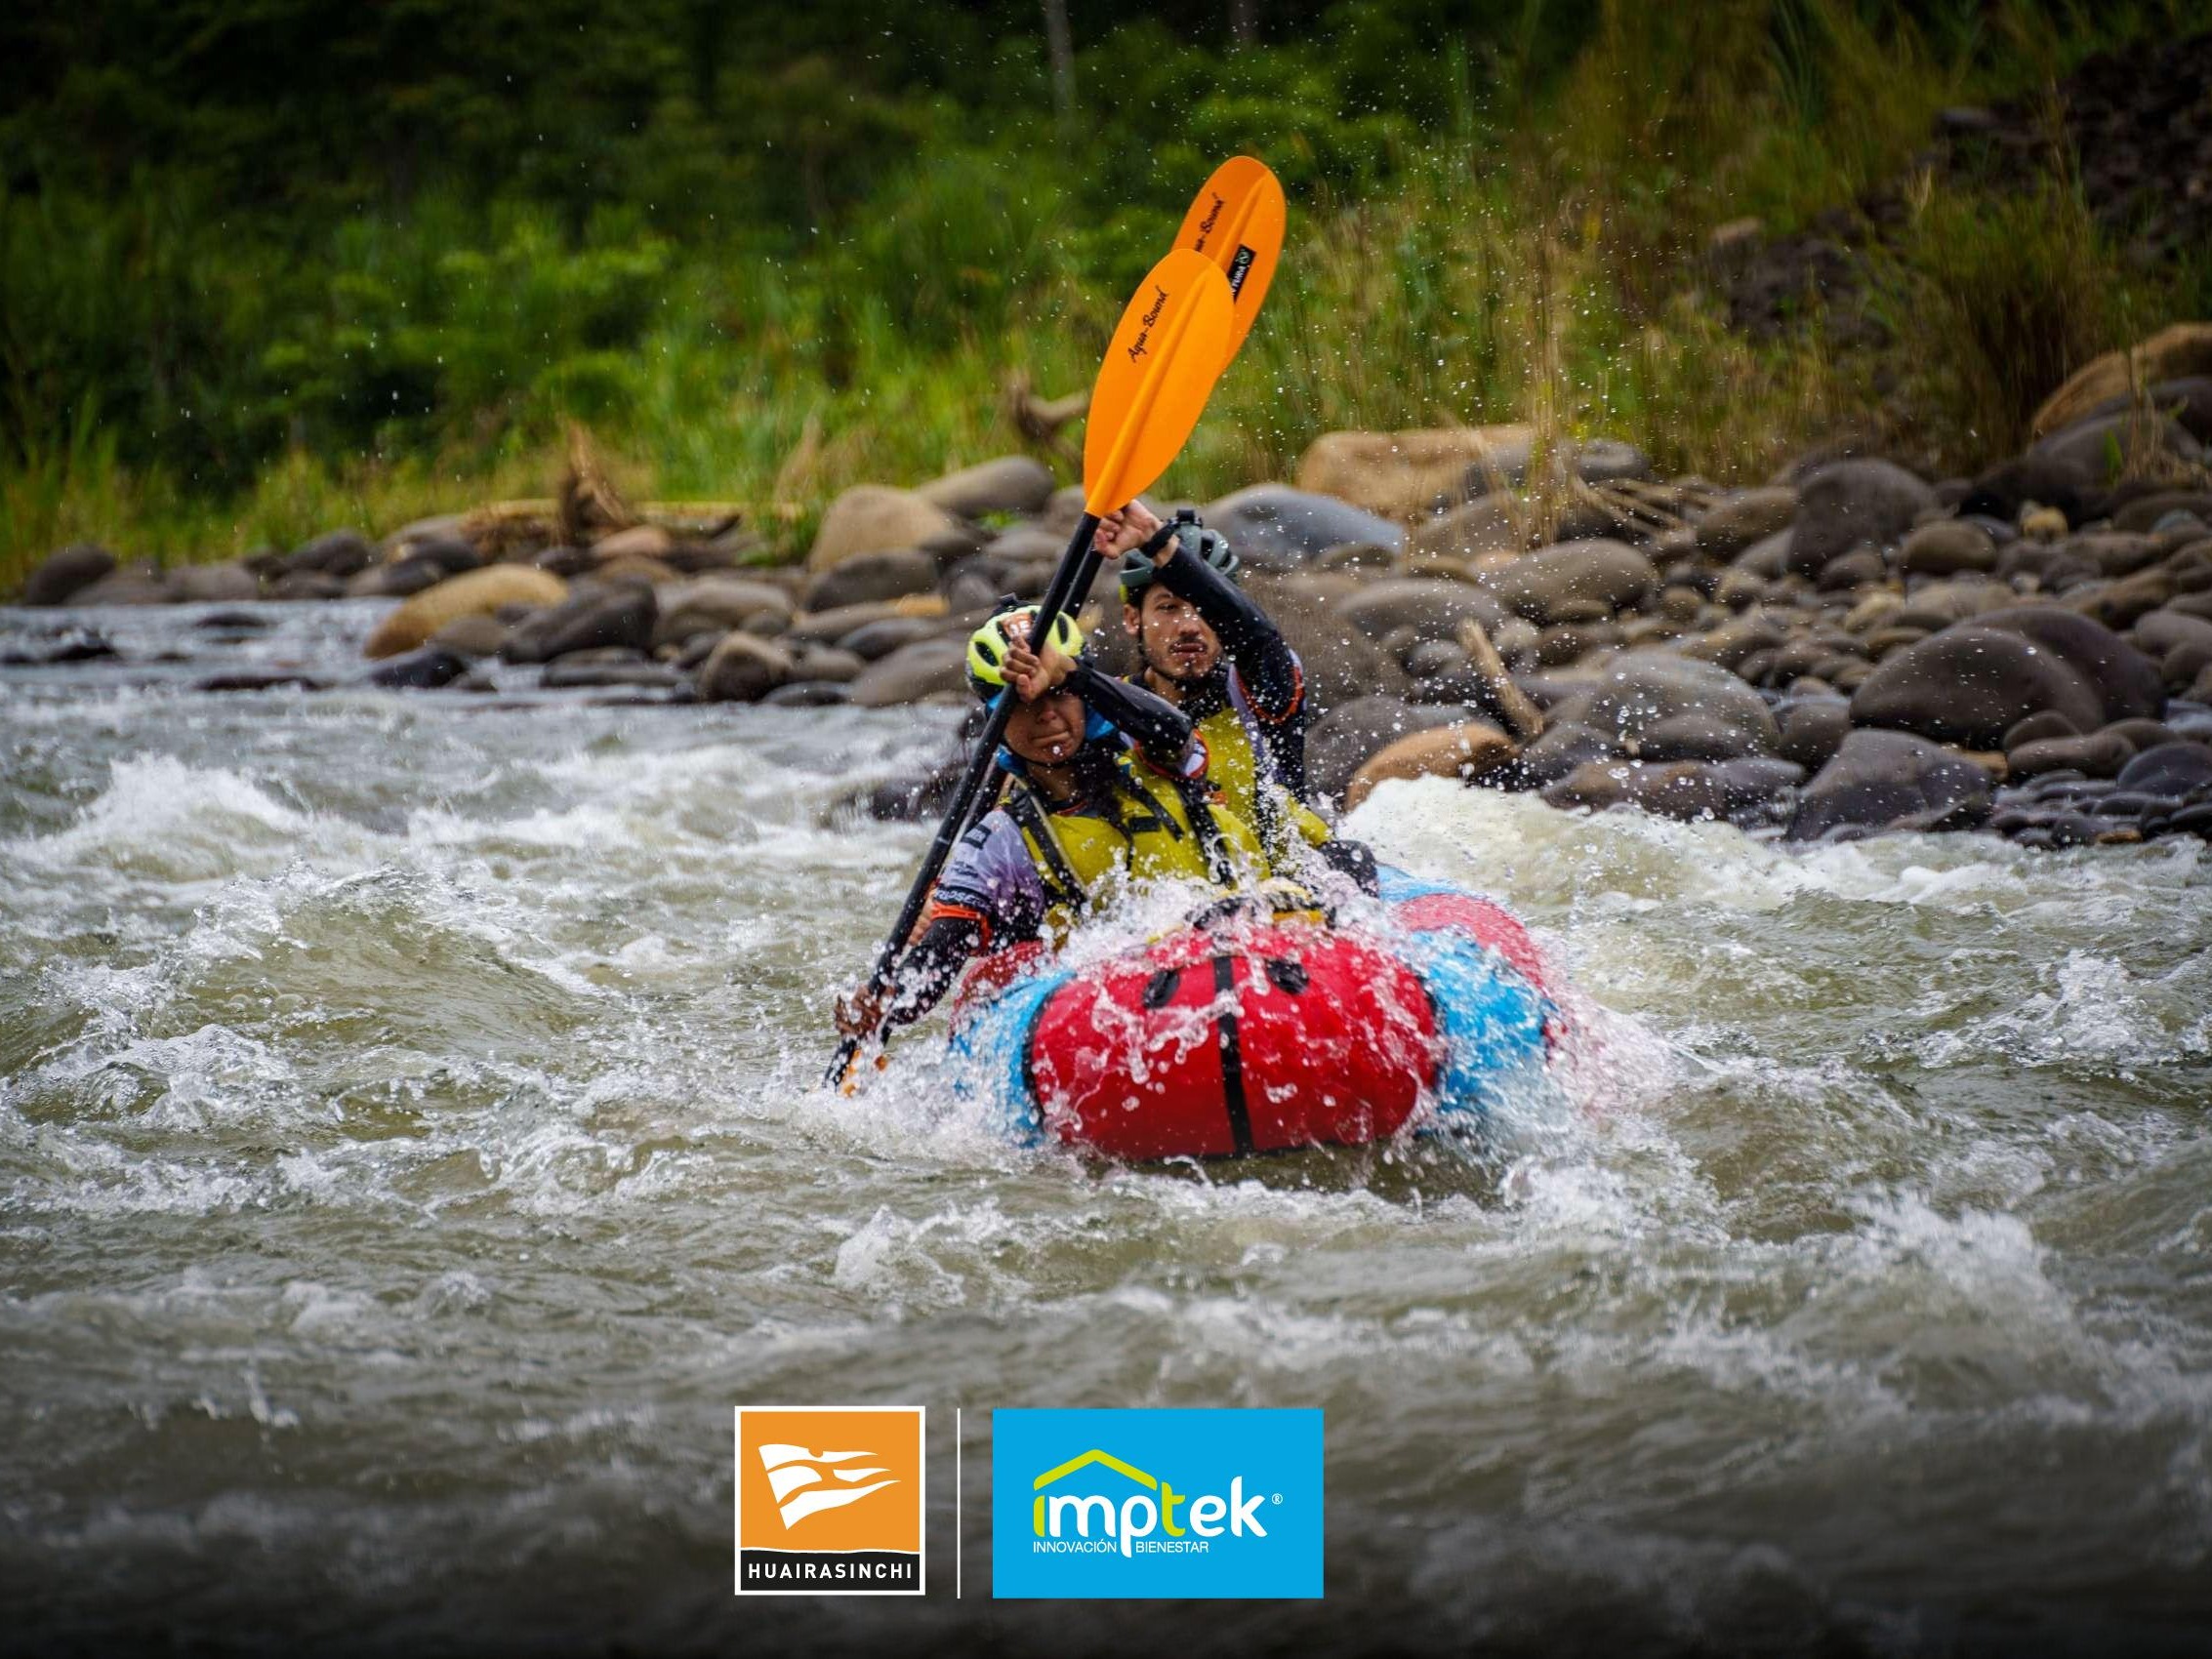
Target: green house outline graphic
[{"x": 1094, "y": 1455}]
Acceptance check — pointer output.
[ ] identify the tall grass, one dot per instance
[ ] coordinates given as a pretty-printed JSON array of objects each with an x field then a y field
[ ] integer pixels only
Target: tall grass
[{"x": 1523, "y": 258}]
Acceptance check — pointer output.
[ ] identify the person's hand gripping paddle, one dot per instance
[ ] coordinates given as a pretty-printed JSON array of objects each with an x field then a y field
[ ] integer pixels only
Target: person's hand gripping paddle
[{"x": 1170, "y": 347}]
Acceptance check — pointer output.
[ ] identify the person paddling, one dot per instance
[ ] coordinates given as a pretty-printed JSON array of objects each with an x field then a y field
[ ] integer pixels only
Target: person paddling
[
  {"x": 1206, "y": 647},
  {"x": 1106, "y": 788}
]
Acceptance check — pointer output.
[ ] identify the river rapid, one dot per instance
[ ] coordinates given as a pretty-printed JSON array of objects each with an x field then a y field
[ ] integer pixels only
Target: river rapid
[{"x": 410, "y": 1151}]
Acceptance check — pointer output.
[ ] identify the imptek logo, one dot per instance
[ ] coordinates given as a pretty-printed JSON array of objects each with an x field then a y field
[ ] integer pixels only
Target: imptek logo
[
  {"x": 1139, "y": 1515},
  {"x": 1211, "y": 1504}
]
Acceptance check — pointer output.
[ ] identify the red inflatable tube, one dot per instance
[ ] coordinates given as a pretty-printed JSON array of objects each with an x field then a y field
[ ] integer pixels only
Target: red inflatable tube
[{"x": 1202, "y": 1045}]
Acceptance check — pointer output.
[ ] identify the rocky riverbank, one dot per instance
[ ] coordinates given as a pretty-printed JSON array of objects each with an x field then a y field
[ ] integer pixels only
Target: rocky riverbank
[{"x": 1847, "y": 648}]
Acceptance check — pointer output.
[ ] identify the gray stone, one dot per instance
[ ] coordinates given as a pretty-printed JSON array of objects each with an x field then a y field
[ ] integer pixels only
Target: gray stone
[
  {"x": 1012, "y": 483},
  {"x": 865, "y": 578},
  {"x": 1432, "y": 607},
  {"x": 1545, "y": 587},
  {"x": 928, "y": 667},
  {"x": 880, "y": 638},
  {"x": 1948, "y": 547},
  {"x": 743, "y": 670},
  {"x": 1349, "y": 735},
  {"x": 339, "y": 552},
  {"x": 1891, "y": 781},
  {"x": 827, "y": 662},
  {"x": 422, "y": 669},
  {"x": 1274, "y": 527},
  {"x": 587, "y": 620},
  {"x": 808, "y": 694},
  {"x": 65, "y": 573},
  {"x": 1849, "y": 502},
  {"x": 215, "y": 583},
  {"x": 1812, "y": 731},
  {"x": 473, "y": 635},
  {"x": 2170, "y": 769},
  {"x": 2100, "y": 755},
  {"x": 715, "y": 604},
  {"x": 1641, "y": 690},
  {"x": 1749, "y": 516},
  {"x": 1974, "y": 681},
  {"x": 574, "y": 672}
]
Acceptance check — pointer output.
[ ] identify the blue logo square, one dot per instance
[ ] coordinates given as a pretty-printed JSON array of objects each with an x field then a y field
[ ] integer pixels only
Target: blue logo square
[{"x": 1154, "y": 1505}]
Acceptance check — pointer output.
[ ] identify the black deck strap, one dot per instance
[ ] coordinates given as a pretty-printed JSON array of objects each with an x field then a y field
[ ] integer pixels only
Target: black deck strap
[
  {"x": 1022, "y": 808},
  {"x": 1232, "y": 1057}
]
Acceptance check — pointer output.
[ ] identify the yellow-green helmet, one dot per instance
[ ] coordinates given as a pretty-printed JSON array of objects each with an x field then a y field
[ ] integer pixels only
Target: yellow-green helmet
[{"x": 987, "y": 645}]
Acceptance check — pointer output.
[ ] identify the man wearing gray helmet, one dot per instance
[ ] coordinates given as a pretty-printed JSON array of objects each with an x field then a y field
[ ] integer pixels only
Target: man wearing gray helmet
[{"x": 1204, "y": 646}]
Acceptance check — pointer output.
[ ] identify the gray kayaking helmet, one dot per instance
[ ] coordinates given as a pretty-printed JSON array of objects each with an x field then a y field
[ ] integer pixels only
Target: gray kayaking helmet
[{"x": 1194, "y": 540}]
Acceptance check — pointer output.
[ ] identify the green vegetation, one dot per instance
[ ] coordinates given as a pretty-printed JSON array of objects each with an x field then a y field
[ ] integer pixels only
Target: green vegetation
[{"x": 274, "y": 266}]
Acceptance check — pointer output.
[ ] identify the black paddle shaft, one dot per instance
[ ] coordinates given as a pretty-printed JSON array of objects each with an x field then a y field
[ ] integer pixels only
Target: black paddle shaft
[{"x": 1060, "y": 596}]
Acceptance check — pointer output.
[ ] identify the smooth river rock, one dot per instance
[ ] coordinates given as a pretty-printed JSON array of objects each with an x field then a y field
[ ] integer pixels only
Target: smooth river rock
[{"x": 1891, "y": 781}]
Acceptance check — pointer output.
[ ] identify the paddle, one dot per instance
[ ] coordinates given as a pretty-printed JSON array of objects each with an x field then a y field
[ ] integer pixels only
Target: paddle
[
  {"x": 1168, "y": 350},
  {"x": 1237, "y": 221}
]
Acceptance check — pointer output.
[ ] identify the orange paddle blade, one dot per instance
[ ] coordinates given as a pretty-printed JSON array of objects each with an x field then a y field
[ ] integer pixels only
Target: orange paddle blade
[
  {"x": 1236, "y": 222},
  {"x": 1168, "y": 350}
]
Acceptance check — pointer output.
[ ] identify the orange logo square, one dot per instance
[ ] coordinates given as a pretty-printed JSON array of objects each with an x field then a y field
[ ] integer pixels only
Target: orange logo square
[{"x": 830, "y": 1500}]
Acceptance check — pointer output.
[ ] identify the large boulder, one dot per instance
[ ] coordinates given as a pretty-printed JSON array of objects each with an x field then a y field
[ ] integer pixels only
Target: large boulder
[
  {"x": 65, "y": 573},
  {"x": 743, "y": 668},
  {"x": 635, "y": 542},
  {"x": 1349, "y": 735},
  {"x": 419, "y": 670},
  {"x": 1975, "y": 681},
  {"x": 590, "y": 619},
  {"x": 215, "y": 583},
  {"x": 2172, "y": 353},
  {"x": 891, "y": 574},
  {"x": 1274, "y": 527},
  {"x": 1468, "y": 750},
  {"x": 1749, "y": 516},
  {"x": 1434, "y": 608},
  {"x": 1563, "y": 583},
  {"x": 2005, "y": 489},
  {"x": 2104, "y": 446},
  {"x": 1849, "y": 502},
  {"x": 400, "y": 579},
  {"x": 929, "y": 668},
  {"x": 1689, "y": 790},
  {"x": 1012, "y": 483},
  {"x": 715, "y": 604},
  {"x": 337, "y": 552},
  {"x": 1490, "y": 524},
  {"x": 2169, "y": 769},
  {"x": 2126, "y": 681},
  {"x": 1948, "y": 547},
  {"x": 1891, "y": 781},
  {"x": 1641, "y": 693},
  {"x": 1408, "y": 475},
  {"x": 141, "y": 583},
  {"x": 475, "y": 593},
  {"x": 873, "y": 641},
  {"x": 872, "y": 519},
  {"x": 1340, "y": 661}
]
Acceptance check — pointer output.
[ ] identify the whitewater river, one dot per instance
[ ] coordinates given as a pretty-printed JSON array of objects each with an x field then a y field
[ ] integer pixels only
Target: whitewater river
[{"x": 410, "y": 1152}]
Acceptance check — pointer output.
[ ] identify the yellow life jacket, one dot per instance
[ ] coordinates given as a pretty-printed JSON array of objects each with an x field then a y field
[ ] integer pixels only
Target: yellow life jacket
[
  {"x": 1232, "y": 766},
  {"x": 1174, "y": 830}
]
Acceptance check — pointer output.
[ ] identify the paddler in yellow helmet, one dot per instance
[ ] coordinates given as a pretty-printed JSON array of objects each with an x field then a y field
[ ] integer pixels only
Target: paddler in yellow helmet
[
  {"x": 1105, "y": 789},
  {"x": 1204, "y": 646}
]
